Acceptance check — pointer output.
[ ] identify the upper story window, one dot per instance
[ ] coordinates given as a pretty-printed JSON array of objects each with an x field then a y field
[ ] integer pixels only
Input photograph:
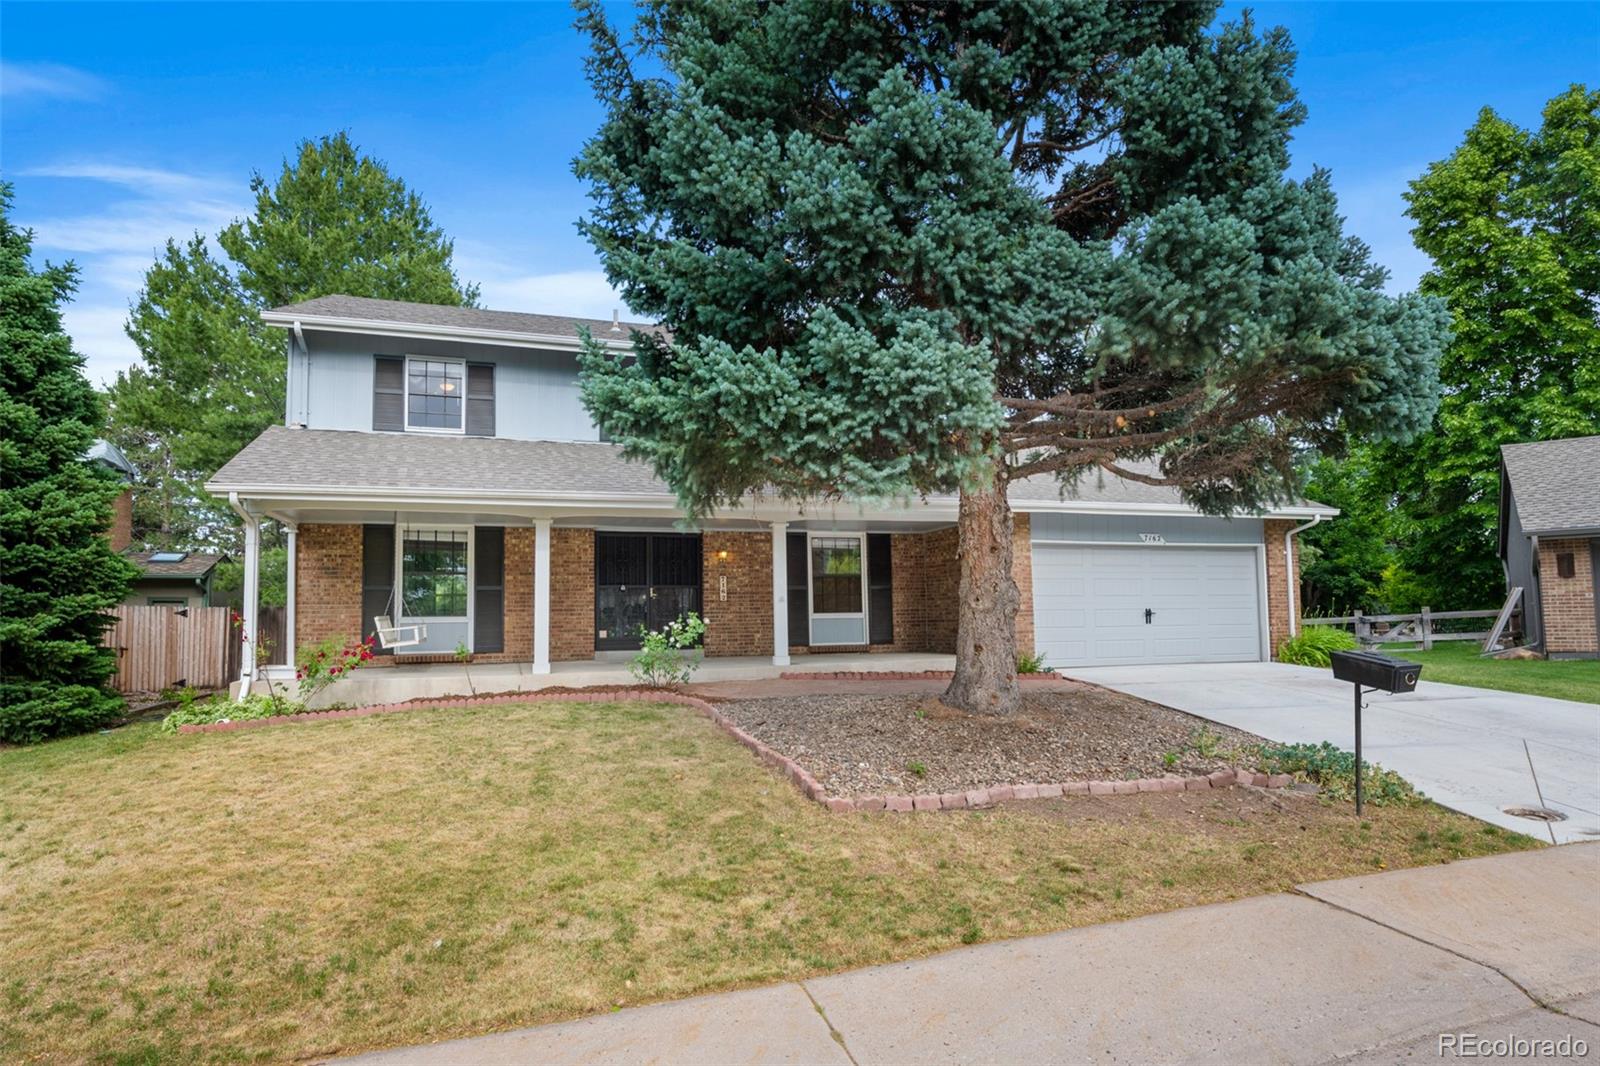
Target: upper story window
[
  {"x": 431, "y": 394},
  {"x": 435, "y": 394}
]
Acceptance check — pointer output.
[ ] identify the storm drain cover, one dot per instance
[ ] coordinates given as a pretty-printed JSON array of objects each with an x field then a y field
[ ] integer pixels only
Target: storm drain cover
[{"x": 1538, "y": 814}]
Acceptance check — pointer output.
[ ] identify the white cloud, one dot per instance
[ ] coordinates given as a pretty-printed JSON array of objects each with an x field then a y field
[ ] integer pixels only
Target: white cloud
[
  {"x": 581, "y": 293},
  {"x": 115, "y": 241},
  {"x": 140, "y": 179},
  {"x": 49, "y": 80},
  {"x": 97, "y": 335}
]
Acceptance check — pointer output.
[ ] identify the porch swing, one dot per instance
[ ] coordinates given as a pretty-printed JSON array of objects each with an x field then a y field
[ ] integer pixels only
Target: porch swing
[
  {"x": 391, "y": 634},
  {"x": 387, "y": 628}
]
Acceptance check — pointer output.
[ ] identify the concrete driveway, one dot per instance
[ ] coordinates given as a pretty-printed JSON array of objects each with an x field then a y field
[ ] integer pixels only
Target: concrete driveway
[{"x": 1462, "y": 746}]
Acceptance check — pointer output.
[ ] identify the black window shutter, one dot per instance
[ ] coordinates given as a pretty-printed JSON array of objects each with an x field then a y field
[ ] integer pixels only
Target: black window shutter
[
  {"x": 489, "y": 589},
  {"x": 377, "y": 578},
  {"x": 799, "y": 615},
  {"x": 388, "y": 392},
  {"x": 480, "y": 399},
  {"x": 880, "y": 590}
]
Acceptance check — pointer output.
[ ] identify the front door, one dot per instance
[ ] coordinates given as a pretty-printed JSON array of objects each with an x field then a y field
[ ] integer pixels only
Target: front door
[{"x": 642, "y": 581}]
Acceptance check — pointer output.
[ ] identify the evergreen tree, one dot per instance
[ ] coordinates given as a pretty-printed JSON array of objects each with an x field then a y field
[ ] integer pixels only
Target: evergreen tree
[
  {"x": 905, "y": 248},
  {"x": 212, "y": 375},
  {"x": 58, "y": 574},
  {"x": 1511, "y": 221}
]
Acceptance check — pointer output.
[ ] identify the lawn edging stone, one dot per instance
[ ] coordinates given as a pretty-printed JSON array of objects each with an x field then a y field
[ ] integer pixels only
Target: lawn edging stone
[
  {"x": 897, "y": 675},
  {"x": 804, "y": 781}
]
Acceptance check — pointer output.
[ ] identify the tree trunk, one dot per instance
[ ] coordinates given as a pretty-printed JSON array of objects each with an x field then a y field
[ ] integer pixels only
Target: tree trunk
[{"x": 986, "y": 635}]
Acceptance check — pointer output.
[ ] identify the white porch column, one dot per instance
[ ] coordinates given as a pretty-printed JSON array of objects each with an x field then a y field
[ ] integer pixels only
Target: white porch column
[
  {"x": 252, "y": 616},
  {"x": 541, "y": 595},
  {"x": 290, "y": 531},
  {"x": 780, "y": 594}
]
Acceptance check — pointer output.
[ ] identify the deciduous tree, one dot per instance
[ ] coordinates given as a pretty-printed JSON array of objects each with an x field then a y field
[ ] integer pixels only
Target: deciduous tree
[
  {"x": 905, "y": 248},
  {"x": 1511, "y": 221},
  {"x": 211, "y": 376}
]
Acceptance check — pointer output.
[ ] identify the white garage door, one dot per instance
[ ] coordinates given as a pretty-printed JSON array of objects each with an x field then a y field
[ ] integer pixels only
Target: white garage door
[{"x": 1101, "y": 605}]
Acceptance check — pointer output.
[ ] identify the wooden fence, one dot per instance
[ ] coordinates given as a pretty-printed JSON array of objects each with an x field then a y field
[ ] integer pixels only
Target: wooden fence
[
  {"x": 169, "y": 647},
  {"x": 1420, "y": 628}
]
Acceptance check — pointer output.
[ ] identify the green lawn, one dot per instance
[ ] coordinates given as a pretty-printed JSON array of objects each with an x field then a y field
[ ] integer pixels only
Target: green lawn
[
  {"x": 298, "y": 892},
  {"x": 1458, "y": 663}
]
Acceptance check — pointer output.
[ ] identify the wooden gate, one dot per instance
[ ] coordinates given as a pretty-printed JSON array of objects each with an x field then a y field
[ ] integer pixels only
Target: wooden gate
[{"x": 167, "y": 647}]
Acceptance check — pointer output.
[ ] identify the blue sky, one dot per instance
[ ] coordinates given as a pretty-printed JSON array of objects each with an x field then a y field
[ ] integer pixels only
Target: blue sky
[{"x": 124, "y": 124}]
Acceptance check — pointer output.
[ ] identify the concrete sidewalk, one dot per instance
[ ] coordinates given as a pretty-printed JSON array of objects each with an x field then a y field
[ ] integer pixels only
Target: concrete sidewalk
[{"x": 1370, "y": 969}]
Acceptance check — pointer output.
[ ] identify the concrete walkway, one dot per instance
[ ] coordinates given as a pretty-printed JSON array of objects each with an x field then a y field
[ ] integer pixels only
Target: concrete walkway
[
  {"x": 1371, "y": 970},
  {"x": 1460, "y": 745}
]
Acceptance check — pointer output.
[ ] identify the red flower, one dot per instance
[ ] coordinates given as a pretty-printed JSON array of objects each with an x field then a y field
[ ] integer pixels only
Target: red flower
[{"x": 299, "y": 675}]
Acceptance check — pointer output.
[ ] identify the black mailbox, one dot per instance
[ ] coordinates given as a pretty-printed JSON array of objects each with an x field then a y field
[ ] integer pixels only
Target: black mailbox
[{"x": 1375, "y": 671}]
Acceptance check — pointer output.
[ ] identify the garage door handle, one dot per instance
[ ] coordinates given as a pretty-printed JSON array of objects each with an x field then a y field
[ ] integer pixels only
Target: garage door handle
[{"x": 1148, "y": 614}]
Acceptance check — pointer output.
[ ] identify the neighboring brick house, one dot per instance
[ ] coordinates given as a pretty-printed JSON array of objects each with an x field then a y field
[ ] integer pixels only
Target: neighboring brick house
[
  {"x": 1550, "y": 541},
  {"x": 438, "y": 471}
]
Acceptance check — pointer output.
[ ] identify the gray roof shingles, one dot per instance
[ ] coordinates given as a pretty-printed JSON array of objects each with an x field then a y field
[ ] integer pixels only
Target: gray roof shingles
[
  {"x": 426, "y": 462},
  {"x": 326, "y": 459},
  {"x": 399, "y": 312},
  {"x": 194, "y": 564},
  {"x": 1556, "y": 483}
]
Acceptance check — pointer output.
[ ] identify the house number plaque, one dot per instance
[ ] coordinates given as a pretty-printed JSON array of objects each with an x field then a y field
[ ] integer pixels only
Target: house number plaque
[{"x": 1152, "y": 538}]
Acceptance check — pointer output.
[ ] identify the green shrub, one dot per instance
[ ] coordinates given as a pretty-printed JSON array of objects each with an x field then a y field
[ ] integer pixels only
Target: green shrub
[
  {"x": 1031, "y": 663},
  {"x": 1333, "y": 770},
  {"x": 1312, "y": 646},
  {"x": 661, "y": 661},
  {"x": 220, "y": 708}
]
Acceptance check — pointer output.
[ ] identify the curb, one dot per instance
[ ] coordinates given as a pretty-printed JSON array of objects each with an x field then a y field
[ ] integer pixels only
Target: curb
[{"x": 802, "y": 778}]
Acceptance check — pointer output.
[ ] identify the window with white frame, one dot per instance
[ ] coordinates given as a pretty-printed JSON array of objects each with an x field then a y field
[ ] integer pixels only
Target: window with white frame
[
  {"x": 434, "y": 573},
  {"x": 435, "y": 394},
  {"x": 838, "y": 589}
]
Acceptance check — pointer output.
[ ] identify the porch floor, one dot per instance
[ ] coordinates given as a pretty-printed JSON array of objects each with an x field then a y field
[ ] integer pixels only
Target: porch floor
[{"x": 396, "y": 684}]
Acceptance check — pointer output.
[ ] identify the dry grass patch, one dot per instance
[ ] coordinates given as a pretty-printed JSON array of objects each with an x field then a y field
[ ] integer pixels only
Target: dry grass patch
[{"x": 302, "y": 891}]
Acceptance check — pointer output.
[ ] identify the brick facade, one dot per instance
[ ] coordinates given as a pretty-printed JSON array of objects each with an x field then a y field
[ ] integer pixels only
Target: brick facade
[
  {"x": 121, "y": 531},
  {"x": 741, "y": 624},
  {"x": 571, "y": 594},
  {"x": 927, "y": 576},
  {"x": 1567, "y": 603},
  {"x": 1022, "y": 574},
  {"x": 1272, "y": 532},
  {"x": 327, "y": 583},
  {"x": 926, "y": 585}
]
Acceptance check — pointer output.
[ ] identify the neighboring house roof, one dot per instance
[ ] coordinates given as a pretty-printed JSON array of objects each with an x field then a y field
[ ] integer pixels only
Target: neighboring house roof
[
  {"x": 103, "y": 451},
  {"x": 1555, "y": 483},
  {"x": 327, "y": 462},
  {"x": 362, "y": 312},
  {"x": 155, "y": 564}
]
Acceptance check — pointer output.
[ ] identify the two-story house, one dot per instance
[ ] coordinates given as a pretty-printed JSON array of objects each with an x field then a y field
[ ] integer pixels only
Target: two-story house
[{"x": 439, "y": 473}]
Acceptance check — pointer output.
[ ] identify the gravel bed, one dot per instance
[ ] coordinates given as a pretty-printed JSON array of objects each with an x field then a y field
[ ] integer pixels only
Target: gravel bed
[{"x": 871, "y": 744}]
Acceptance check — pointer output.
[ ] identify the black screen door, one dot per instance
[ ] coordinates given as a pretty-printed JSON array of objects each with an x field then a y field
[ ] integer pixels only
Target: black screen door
[{"x": 642, "y": 580}]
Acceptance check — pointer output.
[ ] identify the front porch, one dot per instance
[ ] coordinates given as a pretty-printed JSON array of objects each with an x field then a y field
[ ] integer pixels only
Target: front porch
[
  {"x": 395, "y": 684},
  {"x": 560, "y": 599}
]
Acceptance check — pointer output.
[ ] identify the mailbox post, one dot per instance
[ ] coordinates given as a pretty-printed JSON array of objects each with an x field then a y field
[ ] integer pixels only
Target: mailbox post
[{"x": 1382, "y": 674}]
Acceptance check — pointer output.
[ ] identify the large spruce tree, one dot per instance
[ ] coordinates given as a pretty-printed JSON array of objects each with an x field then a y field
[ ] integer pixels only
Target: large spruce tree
[
  {"x": 912, "y": 247},
  {"x": 58, "y": 574}
]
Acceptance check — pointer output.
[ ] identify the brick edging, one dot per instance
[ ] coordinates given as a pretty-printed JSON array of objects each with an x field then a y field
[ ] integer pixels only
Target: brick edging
[
  {"x": 802, "y": 778},
  {"x": 895, "y": 675}
]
